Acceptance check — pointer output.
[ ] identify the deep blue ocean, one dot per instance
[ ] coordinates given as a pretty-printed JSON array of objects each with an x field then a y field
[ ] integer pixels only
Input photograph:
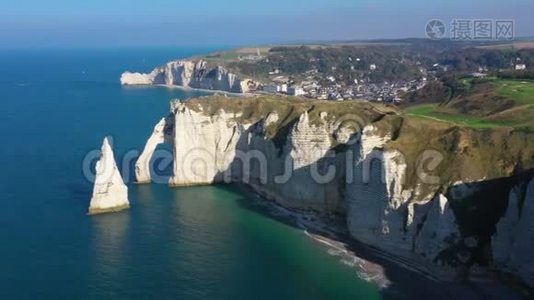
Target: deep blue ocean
[{"x": 186, "y": 243}]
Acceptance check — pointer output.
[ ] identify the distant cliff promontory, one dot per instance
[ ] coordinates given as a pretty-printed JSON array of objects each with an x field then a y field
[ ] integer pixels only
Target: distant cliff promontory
[{"x": 192, "y": 73}]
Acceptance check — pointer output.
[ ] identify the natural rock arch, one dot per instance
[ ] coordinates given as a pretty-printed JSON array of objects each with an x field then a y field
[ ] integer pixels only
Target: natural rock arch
[{"x": 162, "y": 134}]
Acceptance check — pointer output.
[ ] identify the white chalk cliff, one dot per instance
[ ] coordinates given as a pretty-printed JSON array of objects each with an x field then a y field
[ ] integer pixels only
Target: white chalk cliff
[
  {"x": 220, "y": 141},
  {"x": 110, "y": 194},
  {"x": 214, "y": 148},
  {"x": 380, "y": 209},
  {"x": 193, "y": 74},
  {"x": 162, "y": 133}
]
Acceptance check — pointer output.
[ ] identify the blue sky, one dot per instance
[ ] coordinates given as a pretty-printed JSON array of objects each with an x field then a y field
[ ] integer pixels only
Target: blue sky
[{"x": 99, "y": 23}]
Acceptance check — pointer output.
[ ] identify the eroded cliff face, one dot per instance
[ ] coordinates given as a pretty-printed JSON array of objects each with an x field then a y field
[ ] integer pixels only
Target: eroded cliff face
[
  {"x": 384, "y": 212},
  {"x": 206, "y": 148},
  {"x": 213, "y": 148},
  {"x": 372, "y": 168},
  {"x": 193, "y": 74}
]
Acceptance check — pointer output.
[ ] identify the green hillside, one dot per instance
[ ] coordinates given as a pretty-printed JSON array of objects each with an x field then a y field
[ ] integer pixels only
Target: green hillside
[{"x": 485, "y": 104}]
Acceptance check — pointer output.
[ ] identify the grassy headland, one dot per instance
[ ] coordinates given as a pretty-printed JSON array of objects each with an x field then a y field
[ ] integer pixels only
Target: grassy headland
[{"x": 489, "y": 103}]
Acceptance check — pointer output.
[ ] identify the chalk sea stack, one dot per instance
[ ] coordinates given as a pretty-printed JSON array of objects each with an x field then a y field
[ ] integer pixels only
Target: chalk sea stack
[{"x": 110, "y": 194}]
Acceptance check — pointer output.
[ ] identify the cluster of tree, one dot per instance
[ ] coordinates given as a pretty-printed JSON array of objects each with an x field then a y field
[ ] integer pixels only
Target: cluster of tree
[
  {"x": 342, "y": 62},
  {"x": 467, "y": 60},
  {"x": 433, "y": 92},
  {"x": 394, "y": 61},
  {"x": 446, "y": 88}
]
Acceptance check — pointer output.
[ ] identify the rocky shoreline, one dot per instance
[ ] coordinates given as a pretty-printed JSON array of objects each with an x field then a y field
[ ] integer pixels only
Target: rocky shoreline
[{"x": 373, "y": 265}]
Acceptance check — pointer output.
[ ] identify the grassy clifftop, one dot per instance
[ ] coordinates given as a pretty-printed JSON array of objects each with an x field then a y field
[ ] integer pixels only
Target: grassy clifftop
[
  {"x": 289, "y": 109},
  {"x": 467, "y": 154}
]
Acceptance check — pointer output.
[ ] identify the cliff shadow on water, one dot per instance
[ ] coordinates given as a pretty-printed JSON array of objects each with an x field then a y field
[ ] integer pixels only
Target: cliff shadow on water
[{"x": 402, "y": 282}]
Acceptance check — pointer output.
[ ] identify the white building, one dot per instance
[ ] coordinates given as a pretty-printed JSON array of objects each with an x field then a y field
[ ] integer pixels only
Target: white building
[
  {"x": 479, "y": 75},
  {"x": 296, "y": 91},
  {"x": 372, "y": 67},
  {"x": 520, "y": 67}
]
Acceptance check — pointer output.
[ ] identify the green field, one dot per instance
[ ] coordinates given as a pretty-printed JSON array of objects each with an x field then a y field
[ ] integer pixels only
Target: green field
[
  {"x": 521, "y": 115},
  {"x": 521, "y": 91},
  {"x": 433, "y": 111}
]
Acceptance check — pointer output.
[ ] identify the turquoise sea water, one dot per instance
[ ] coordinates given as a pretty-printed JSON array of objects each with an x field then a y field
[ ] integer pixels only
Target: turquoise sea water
[{"x": 190, "y": 243}]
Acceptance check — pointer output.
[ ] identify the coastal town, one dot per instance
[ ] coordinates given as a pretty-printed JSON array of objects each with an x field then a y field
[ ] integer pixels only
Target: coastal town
[
  {"x": 333, "y": 86},
  {"x": 332, "y": 89},
  {"x": 317, "y": 85}
]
